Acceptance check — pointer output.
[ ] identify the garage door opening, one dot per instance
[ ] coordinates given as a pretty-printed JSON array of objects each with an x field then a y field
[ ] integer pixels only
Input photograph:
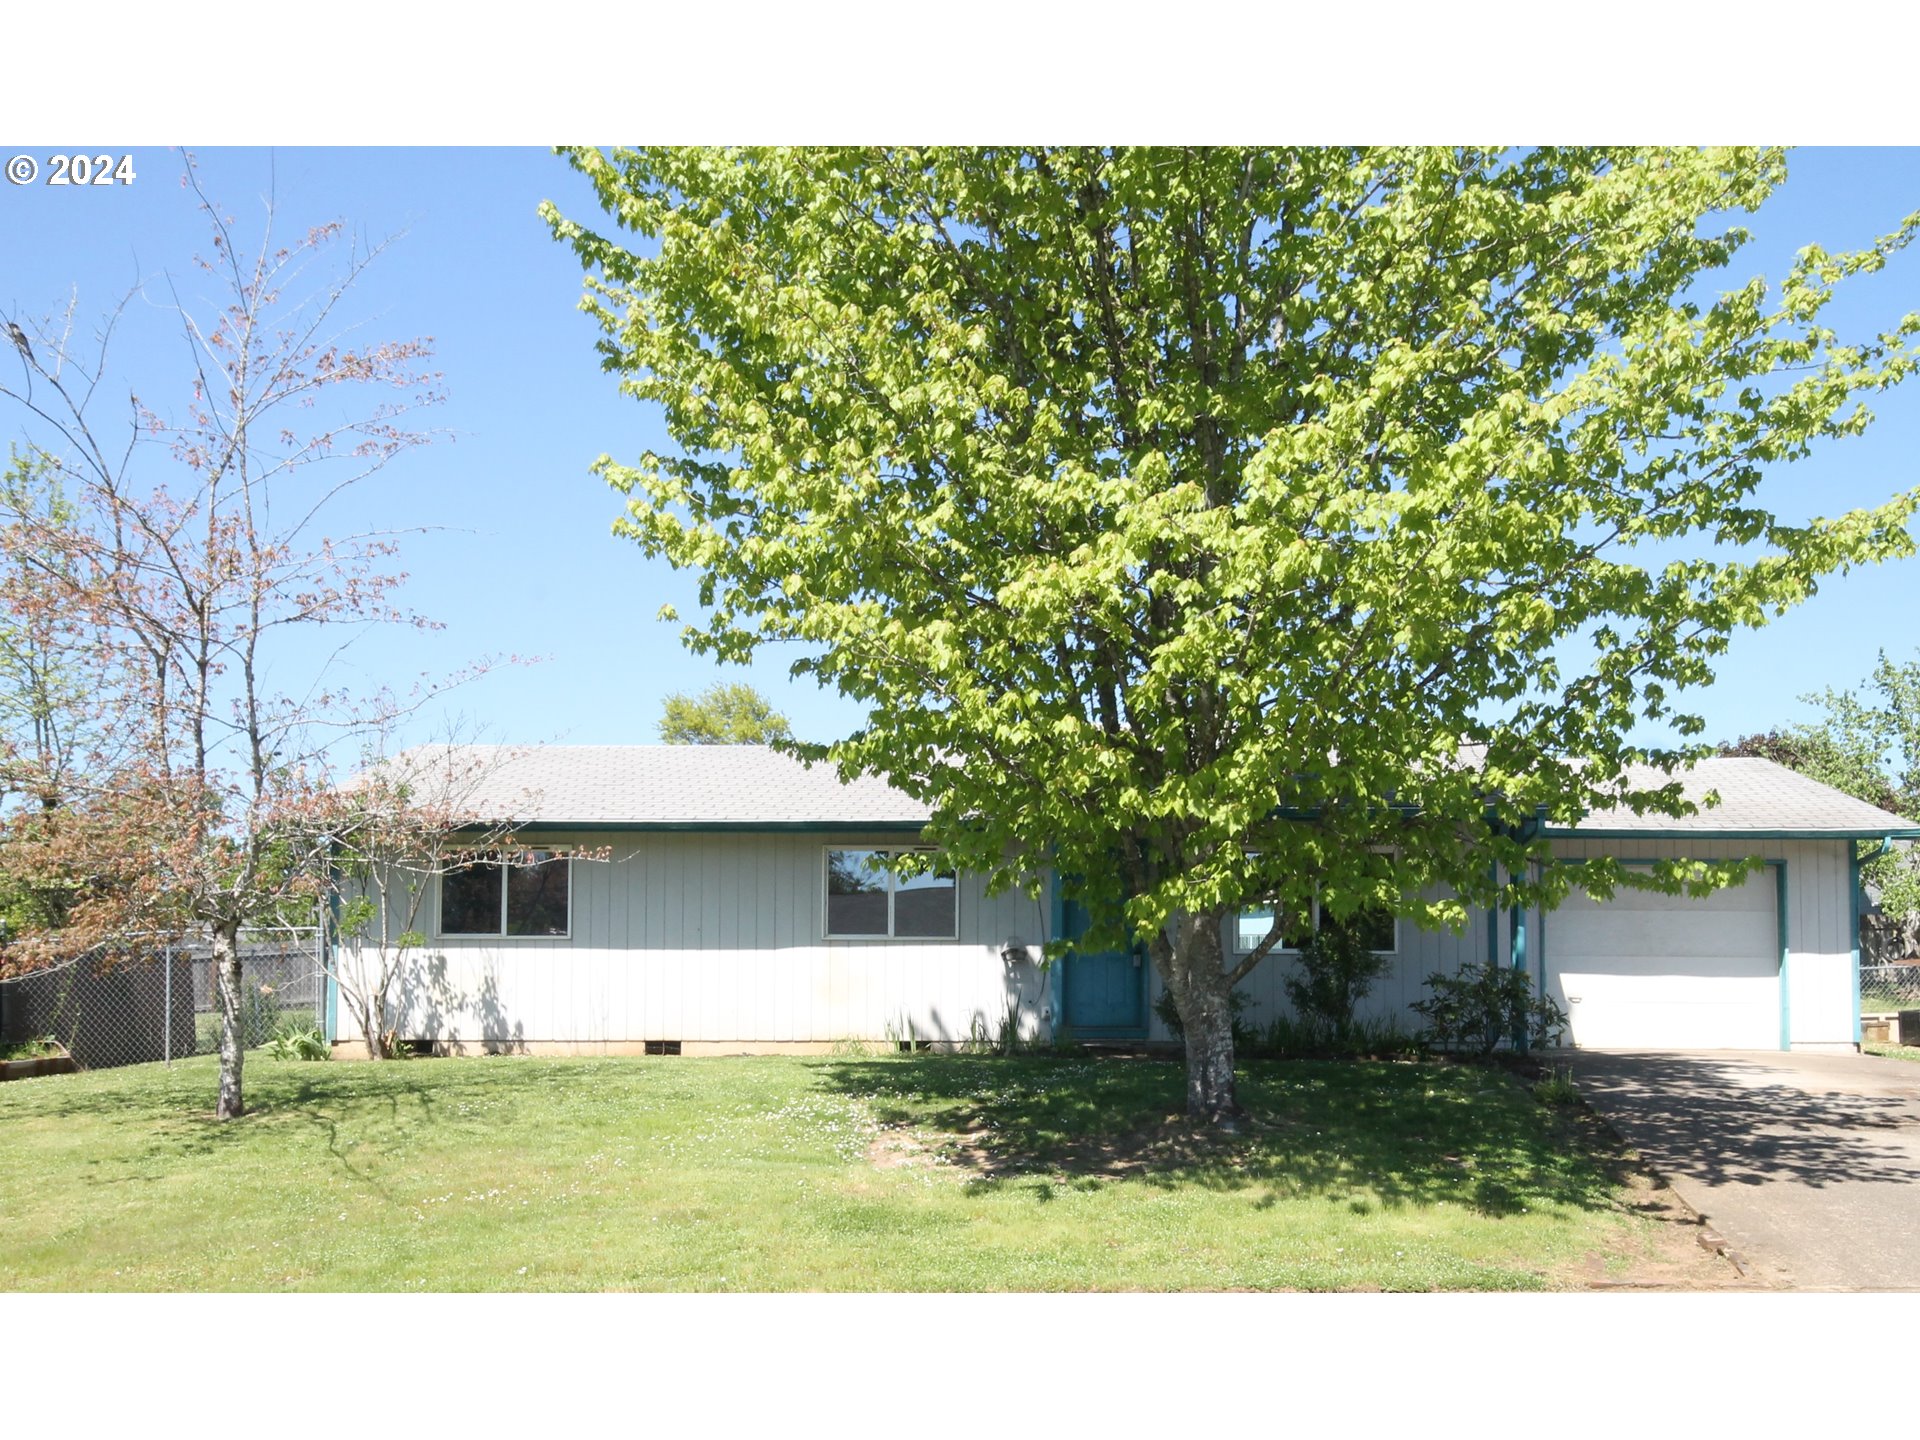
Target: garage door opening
[{"x": 1670, "y": 972}]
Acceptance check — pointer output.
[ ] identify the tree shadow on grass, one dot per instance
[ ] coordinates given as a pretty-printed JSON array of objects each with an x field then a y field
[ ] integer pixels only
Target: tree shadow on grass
[
  {"x": 1369, "y": 1135},
  {"x": 319, "y": 1106},
  {"x": 151, "y": 1122}
]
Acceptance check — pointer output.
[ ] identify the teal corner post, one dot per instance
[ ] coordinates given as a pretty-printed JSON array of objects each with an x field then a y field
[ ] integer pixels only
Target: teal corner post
[
  {"x": 1527, "y": 830},
  {"x": 1517, "y": 930}
]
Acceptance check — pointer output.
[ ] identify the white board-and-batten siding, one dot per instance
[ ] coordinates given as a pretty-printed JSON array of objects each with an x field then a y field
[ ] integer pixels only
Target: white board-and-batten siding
[{"x": 716, "y": 937}]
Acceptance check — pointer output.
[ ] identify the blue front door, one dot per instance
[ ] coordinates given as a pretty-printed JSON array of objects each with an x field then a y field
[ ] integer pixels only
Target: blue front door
[{"x": 1106, "y": 990}]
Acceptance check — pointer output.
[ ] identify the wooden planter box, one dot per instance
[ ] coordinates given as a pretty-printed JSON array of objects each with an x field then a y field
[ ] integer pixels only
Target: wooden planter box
[{"x": 45, "y": 1065}]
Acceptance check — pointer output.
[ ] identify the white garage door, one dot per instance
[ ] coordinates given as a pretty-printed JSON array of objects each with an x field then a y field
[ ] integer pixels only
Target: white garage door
[{"x": 1668, "y": 972}]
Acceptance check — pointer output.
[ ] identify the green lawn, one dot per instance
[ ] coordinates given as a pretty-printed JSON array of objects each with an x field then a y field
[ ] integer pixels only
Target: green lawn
[
  {"x": 1892, "y": 1052},
  {"x": 909, "y": 1173}
]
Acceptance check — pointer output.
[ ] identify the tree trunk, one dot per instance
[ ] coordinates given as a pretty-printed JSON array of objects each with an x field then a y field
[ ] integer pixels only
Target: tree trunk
[
  {"x": 226, "y": 969},
  {"x": 1192, "y": 968},
  {"x": 373, "y": 1025},
  {"x": 370, "y": 1005},
  {"x": 1210, "y": 1091}
]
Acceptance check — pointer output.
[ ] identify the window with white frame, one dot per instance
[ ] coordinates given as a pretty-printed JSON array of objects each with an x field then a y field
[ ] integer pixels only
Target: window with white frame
[
  {"x": 519, "y": 896},
  {"x": 867, "y": 900}
]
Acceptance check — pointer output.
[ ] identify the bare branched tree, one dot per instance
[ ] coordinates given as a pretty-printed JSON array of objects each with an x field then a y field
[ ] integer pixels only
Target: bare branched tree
[{"x": 192, "y": 545}]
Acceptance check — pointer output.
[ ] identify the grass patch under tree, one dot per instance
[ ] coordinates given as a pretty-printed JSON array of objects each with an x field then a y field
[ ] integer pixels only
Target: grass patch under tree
[{"x": 837, "y": 1173}]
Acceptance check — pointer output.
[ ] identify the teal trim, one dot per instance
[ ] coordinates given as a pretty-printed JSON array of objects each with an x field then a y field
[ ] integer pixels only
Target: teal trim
[
  {"x": 1517, "y": 932},
  {"x": 1779, "y": 868},
  {"x": 1565, "y": 833}
]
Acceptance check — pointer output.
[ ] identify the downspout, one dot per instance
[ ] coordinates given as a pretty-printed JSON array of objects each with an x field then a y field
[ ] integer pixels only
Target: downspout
[{"x": 1517, "y": 931}]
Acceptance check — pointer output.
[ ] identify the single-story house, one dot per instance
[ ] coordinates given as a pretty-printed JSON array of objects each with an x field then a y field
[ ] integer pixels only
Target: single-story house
[{"x": 738, "y": 909}]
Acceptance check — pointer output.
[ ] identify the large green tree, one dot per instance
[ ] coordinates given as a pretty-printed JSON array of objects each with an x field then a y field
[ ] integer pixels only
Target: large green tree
[
  {"x": 722, "y": 714},
  {"x": 1180, "y": 515},
  {"x": 1865, "y": 741}
]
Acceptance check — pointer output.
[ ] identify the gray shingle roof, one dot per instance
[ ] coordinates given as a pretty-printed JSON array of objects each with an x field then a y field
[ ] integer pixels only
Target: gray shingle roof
[
  {"x": 1755, "y": 796},
  {"x": 662, "y": 785},
  {"x": 748, "y": 785}
]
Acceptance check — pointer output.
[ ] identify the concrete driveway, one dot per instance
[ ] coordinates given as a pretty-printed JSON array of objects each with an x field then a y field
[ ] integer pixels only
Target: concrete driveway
[{"x": 1808, "y": 1164}]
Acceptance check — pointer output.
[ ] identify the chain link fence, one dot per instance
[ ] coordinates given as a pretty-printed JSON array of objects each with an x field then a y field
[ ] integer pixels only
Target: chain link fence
[
  {"x": 1889, "y": 987},
  {"x": 165, "y": 1005},
  {"x": 1888, "y": 940}
]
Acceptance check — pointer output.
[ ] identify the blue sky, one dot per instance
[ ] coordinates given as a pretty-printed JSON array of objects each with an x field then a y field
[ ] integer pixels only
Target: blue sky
[{"x": 523, "y": 560}]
